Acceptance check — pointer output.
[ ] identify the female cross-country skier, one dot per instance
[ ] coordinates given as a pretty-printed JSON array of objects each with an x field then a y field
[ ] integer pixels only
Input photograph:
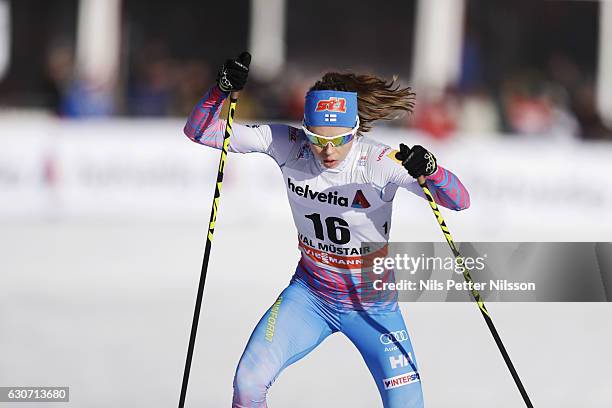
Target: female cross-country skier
[{"x": 340, "y": 186}]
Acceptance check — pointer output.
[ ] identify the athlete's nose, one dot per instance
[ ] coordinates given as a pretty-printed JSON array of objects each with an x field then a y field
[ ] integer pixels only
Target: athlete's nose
[{"x": 329, "y": 148}]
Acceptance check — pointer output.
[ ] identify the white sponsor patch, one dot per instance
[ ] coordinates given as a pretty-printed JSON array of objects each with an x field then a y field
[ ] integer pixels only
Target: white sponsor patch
[
  {"x": 400, "y": 361},
  {"x": 401, "y": 380}
]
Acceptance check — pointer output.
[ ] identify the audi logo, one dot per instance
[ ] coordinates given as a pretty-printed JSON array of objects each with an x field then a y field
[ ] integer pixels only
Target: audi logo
[{"x": 394, "y": 337}]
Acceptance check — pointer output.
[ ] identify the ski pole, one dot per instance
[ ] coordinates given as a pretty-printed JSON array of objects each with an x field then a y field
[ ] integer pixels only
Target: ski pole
[
  {"x": 475, "y": 293},
  {"x": 211, "y": 229}
]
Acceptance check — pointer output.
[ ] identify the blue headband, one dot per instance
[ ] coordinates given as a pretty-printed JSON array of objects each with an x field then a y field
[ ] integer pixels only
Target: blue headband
[{"x": 331, "y": 108}]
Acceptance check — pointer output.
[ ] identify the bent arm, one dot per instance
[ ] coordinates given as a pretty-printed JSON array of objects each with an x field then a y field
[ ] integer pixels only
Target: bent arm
[
  {"x": 448, "y": 190},
  {"x": 204, "y": 127}
]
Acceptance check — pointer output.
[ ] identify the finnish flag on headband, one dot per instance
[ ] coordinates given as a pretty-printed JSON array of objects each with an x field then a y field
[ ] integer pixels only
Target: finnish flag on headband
[{"x": 331, "y": 108}]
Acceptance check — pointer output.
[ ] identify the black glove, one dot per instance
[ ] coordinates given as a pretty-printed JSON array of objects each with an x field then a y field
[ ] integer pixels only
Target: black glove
[
  {"x": 418, "y": 161},
  {"x": 233, "y": 74}
]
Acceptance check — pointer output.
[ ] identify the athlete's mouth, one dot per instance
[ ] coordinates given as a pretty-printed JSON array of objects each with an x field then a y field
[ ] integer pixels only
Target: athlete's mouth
[{"x": 329, "y": 162}]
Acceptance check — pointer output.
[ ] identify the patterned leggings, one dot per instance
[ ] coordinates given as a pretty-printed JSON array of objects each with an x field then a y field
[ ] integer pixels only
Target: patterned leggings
[{"x": 300, "y": 320}]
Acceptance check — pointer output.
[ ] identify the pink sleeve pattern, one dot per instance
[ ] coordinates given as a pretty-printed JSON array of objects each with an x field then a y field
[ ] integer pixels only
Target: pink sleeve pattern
[
  {"x": 203, "y": 125},
  {"x": 448, "y": 190}
]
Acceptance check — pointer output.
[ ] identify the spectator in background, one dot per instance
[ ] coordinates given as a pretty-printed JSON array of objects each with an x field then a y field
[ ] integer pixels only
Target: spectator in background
[
  {"x": 586, "y": 111},
  {"x": 563, "y": 124},
  {"x": 579, "y": 97},
  {"x": 267, "y": 98},
  {"x": 436, "y": 115},
  {"x": 86, "y": 97},
  {"x": 293, "y": 100},
  {"x": 526, "y": 112},
  {"x": 534, "y": 107},
  {"x": 190, "y": 77},
  {"x": 59, "y": 71},
  {"x": 70, "y": 94},
  {"x": 150, "y": 91},
  {"x": 477, "y": 114},
  {"x": 563, "y": 71}
]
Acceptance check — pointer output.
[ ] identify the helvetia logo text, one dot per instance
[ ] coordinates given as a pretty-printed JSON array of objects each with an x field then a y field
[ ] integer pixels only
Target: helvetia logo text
[
  {"x": 332, "y": 104},
  {"x": 332, "y": 197},
  {"x": 401, "y": 380}
]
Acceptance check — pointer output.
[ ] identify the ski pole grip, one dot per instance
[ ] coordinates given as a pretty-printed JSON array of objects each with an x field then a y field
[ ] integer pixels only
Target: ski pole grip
[{"x": 421, "y": 180}]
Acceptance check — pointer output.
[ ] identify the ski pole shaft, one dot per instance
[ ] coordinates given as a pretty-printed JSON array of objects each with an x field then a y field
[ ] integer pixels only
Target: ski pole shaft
[
  {"x": 475, "y": 294},
  {"x": 209, "y": 237}
]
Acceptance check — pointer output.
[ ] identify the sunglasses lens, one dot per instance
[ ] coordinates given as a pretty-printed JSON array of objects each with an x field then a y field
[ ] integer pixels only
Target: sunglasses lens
[
  {"x": 336, "y": 141},
  {"x": 322, "y": 142},
  {"x": 339, "y": 141}
]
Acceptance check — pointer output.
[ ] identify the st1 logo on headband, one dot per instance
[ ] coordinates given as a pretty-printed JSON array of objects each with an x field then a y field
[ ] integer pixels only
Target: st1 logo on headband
[{"x": 332, "y": 104}]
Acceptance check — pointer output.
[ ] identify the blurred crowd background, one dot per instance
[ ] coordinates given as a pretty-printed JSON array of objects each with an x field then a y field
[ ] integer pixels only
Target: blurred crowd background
[
  {"x": 481, "y": 67},
  {"x": 104, "y": 202}
]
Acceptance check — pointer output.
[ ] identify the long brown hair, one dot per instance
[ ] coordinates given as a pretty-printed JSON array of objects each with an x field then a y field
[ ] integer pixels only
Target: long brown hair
[{"x": 376, "y": 98}]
